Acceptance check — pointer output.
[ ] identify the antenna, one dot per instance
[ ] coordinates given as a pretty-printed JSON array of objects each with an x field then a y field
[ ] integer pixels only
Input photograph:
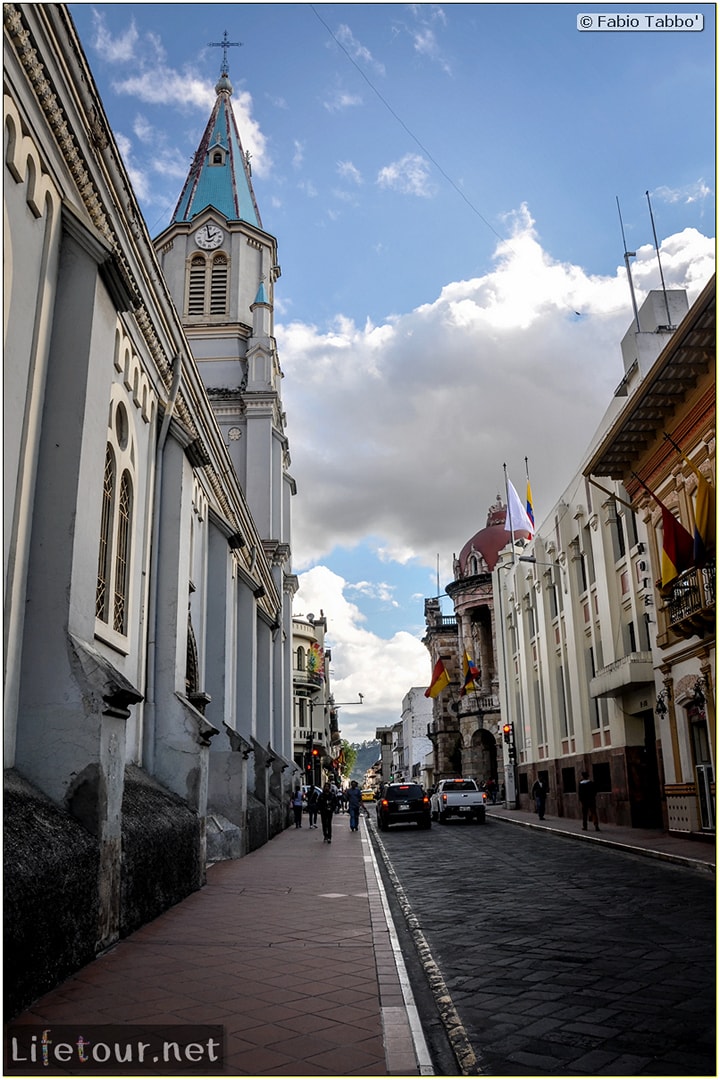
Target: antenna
[
  {"x": 657, "y": 249},
  {"x": 627, "y": 256}
]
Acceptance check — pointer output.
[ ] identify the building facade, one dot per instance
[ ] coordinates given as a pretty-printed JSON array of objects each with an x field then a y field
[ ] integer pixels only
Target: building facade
[
  {"x": 587, "y": 651},
  {"x": 662, "y": 446},
  {"x": 148, "y": 644},
  {"x": 316, "y": 736}
]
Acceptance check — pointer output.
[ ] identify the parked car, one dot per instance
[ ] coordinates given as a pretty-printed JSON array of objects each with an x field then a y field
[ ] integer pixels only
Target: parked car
[
  {"x": 403, "y": 802},
  {"x": 368, "y": 795},
  {"x": 462, "y": 798}
]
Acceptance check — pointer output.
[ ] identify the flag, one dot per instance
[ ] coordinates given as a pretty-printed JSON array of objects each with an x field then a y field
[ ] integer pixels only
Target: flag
[
  {"x": 677, "y": 545},
  {"x": 516, "y": 518},
  {"x": 529, "y": 505},
  {"x": 704, "y": 538},
  {"x": 677, "y": 549},
  {"x": 439, "y": 680},
  {"x": 470, "y": 673}
]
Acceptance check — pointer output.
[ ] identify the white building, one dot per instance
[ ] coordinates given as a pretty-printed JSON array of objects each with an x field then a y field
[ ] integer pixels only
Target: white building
[
  {"x": 416, "y": 718},
  {"x": 148, "y": 588},
  {"x": 316, "y": 736},
  {"x": 578, "y": 618}
]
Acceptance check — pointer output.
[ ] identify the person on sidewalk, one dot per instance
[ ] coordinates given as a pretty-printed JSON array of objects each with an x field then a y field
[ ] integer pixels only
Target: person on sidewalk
[
  {"x": 297, "y": 807},
  {"x": 354, "y": 800},
  {"x": 326, "y": 806},
  {"x": 312, "y": 804},
  {"x": 586, "y": 794},
  {"x": 539, "y": 794},
  {"x": 491, "y": 788}
]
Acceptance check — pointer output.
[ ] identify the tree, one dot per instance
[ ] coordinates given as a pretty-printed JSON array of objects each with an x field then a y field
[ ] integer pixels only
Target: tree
[{"x": 349, "y": 755}]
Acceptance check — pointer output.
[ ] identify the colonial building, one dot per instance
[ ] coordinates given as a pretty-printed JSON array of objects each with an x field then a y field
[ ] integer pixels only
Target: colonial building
[
  {"x": 662, "y": 446},
  {"x": 413, "y": 744},
  {"x": 316, "y": 736},
  {"x": 148, "y": 645},
  {"x": 593, "y": 655},
  {"x": 466, "y": 730}
]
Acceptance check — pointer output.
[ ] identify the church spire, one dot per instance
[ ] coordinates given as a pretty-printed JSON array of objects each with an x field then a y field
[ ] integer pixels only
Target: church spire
[{"x": 220, "y": 173}]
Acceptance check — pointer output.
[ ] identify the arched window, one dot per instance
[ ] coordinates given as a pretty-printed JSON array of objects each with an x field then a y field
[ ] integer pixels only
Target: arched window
[
  {"x": 102, "y": 591},
  {"x": 217, "y": 157},
  {"x": 218, "y": 286},
  {"x": 196, "y": 287},
  {"x": 112, "y": 591},
  {"x": 300, "y": 658}
]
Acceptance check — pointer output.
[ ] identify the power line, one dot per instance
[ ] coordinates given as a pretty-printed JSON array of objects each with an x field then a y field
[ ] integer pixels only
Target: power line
[{"x": 404, "y": 126}]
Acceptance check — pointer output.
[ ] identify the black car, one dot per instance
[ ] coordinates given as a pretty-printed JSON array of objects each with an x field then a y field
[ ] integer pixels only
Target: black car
[{"x": 403, "y": 802}]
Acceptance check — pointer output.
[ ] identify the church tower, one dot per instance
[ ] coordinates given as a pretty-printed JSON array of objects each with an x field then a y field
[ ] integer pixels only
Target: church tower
[{"x": 221, "y": 268}]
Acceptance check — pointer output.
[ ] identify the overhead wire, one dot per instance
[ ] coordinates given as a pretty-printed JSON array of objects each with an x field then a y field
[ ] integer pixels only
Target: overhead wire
[{"x": 405, "y": 127}]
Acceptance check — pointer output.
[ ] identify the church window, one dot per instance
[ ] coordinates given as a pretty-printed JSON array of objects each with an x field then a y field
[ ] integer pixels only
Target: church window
[
  {"x": 217, "y": 158},
  {"x": 196, "y": 290},
  {"x": 218, "y": 286},
  {"x": 122, "y": 554},
  {"x": 101, "y": 594},
  {"x": 112, "y": 592}
]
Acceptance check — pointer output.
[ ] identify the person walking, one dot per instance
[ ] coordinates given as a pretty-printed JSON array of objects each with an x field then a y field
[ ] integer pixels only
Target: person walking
[
  {"x": 354, "y": 801},
  {"x": 539, "y": 794},
  {"x": 587, "y": 795},
  {"x": 312, "y": 804},
  {"x": 326, "y": 806},
  {"x": 297, "y": 807},
  {"x": 491, "y": 788}
]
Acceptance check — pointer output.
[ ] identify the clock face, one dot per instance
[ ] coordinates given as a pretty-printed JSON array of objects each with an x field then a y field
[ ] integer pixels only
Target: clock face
[{"x": 209, "y": 236}]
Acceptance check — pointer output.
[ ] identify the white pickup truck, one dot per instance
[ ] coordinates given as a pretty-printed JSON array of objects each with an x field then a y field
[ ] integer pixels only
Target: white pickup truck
[{"x": 462, "y": 798}]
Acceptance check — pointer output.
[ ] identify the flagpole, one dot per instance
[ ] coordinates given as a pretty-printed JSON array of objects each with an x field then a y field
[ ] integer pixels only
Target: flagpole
[{"x": 507, "y": 502}]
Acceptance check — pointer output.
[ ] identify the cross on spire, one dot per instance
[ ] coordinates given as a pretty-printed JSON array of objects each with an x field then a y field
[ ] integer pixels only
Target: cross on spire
[{"x": 225, "y": 44}]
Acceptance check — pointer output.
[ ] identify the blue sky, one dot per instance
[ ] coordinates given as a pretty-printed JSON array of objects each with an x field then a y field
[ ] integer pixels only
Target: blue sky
[{"x": 442, "y": 181}]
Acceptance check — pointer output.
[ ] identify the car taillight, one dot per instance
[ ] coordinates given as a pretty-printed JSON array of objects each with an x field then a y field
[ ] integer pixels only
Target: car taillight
[
  {"x": 444, "y": 798},
  {"x": 384, "y": 802},
  {"x": 425, "y": 798}
]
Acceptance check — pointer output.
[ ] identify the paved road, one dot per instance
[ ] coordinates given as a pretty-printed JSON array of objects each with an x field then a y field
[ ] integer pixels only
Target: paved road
[{"x": 563, "y": 958}]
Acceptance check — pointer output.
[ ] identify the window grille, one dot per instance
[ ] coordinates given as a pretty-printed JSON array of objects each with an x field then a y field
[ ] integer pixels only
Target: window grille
[
  {"x": 196, "y": 290},
  {"x": 122, "y": 553},
  {"x": 218, "y": 286},
  {"x": 101, "y": 593}
]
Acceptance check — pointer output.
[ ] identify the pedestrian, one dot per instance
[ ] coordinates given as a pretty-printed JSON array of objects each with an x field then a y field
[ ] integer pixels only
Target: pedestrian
[
  {"x": 312, "y": 805},
  {"x": 297, "y": 805},
  {"x": 539, "y": 794},
  {"x": 326, "y": 806},
  {"x": 354, "y": 801},
  {"x": 586, "y": 793},
  {"x": 491, "y": 788}
]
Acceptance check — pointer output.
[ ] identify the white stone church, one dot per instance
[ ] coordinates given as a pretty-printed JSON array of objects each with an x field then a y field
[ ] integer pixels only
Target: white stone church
[{"x": 148, "y": 579}]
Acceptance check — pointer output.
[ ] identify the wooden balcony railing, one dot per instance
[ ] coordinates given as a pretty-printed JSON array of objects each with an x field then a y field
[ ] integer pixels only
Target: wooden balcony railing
[{"x": 690, "y": 601}]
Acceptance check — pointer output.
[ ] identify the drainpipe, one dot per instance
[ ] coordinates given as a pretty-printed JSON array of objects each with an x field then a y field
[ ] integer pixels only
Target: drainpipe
[{"x": 149, "y": 711}]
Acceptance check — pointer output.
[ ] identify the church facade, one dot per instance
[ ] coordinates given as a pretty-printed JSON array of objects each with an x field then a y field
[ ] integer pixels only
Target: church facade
[{"x": 148, "y": 581}]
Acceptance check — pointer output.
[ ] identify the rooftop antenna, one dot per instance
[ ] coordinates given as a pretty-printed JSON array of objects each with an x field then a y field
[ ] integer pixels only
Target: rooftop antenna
[
  {"x": 627, "y": 256},
  {"x": 657, "y": 249}
]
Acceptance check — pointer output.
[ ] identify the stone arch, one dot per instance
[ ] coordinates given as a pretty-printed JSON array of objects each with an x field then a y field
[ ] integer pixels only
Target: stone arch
[{"x": 480, "y": 758}]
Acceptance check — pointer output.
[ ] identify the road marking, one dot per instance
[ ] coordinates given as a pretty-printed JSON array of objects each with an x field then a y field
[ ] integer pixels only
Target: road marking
[
  {"x": 469, "y": 1062},
  {"x": 422, "y": 1054}
]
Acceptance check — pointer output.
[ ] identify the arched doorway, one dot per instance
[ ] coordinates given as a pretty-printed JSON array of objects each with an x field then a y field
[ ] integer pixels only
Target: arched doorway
[{"x": 480, "y": 758}]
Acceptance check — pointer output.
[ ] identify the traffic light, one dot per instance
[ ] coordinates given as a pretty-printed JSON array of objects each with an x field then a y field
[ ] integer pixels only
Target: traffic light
[
  {"x": 507, "y": 730},
  {"x": 315, "y": 752}
]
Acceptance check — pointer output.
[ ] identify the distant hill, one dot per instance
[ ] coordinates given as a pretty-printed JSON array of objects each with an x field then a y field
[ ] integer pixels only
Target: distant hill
[{"x": 367, "y": 754}]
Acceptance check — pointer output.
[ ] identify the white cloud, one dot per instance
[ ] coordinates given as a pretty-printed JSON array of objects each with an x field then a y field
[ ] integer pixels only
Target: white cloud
[
  {"x": 117, "y": 49},
  {"x": 358, "y": 51},
  {"x": 400, "y": 431},
  {"x": 409, "y": 423},
  {"x": 341, "y": 99},
  {"x": 410, "y": 176},
  {"x": 383, "y": 670},
  {"x": 349, "y": 171},
  {"x": 698, "y": 191}
]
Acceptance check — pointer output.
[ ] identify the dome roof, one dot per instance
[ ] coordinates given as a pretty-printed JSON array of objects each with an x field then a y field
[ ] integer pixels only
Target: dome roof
[{"x": 488, "y": 542}]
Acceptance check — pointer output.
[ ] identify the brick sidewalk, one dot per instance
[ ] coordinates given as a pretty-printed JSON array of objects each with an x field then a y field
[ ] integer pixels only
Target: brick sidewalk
[{"x": 289, "y": 949}]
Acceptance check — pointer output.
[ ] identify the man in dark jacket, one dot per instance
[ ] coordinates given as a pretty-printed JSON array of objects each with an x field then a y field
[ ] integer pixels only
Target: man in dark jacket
[
  {"x": 326, "y": 805},
  {"x": 586, "y": 794}
]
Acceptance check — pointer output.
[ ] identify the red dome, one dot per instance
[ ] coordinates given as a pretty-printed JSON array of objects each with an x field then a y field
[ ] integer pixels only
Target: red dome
[{"x": 489, "y": 542}]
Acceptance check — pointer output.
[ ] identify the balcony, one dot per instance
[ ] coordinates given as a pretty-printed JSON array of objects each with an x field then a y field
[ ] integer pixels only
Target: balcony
[
  {"x": 630, "y": 671},
  {"x": 690, "y": 602}
]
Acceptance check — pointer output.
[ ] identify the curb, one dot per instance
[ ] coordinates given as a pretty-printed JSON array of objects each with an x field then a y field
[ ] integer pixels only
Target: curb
[
  {"x": 665, "y": 856},
  {"x": 468, "y": 1060}
]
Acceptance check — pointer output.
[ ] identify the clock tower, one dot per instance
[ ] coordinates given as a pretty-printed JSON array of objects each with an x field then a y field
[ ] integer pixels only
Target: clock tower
[{"x": 221, "y": 268}]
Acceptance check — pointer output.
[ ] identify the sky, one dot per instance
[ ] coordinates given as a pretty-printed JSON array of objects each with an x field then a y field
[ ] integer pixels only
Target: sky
[{"x": 444, "y": 182}]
